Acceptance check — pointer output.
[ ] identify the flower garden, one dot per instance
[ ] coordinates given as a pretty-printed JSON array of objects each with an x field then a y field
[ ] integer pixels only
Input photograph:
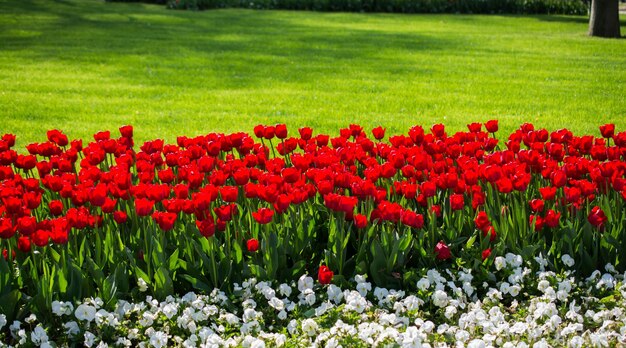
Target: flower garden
[{"x": 297, "y": 239}]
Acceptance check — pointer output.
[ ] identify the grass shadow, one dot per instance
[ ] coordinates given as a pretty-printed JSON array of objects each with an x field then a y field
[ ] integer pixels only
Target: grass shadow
[{"x": 238, "y": 45}]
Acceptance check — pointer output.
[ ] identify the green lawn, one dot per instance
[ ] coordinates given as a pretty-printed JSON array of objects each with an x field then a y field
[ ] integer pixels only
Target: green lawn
[{"x": 84, "y": 66}]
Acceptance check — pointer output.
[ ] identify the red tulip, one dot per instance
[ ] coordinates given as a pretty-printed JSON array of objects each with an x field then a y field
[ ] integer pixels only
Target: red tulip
[
  {"x": 263, "y": 215},
  {"x": 491, "y": 231},
  {"x": 305, "y": 133},
  {"x": 607, "y": 130},
  {"x": 482, "y": 221},
  {"x": 486, "y": 253},
  {"x": 548, "y": 193},
  {"x": 126, "y": 131},
  {"x": 57, "y": 137},
  {"x": 229, "y": 193},
  {"x": 412, "y": 219},
  {"x": 325, "y": 275},
  {"x": 438, "y": 130},
  {"x": 252, "y": 245},
  {"x": 281, "y": 131},
  {"x": 206, "y": 227},
  {"x": 457, "y": 201},
  {"x": 5, "y": 254},
  {"x": 40, "y": 237},
  {"x": 269, "y": 132},
  {"x": 23, "y": 244},
  {"x": 7, "y": 230},
  {"x": 492, "y": 126},
  {"x": 436, "y": 209},
  {"x": 13, "y": 205},
  {"x": 27, "y": 162},
  {"x": 9, "y": 139},
  {"x": 474, "y": 127},
  {"x": 504, "y": 185},
  {"x": 360, "y": 220},
  {"x": 143, "y": 207},
  {"x": 558, "y": 178},
  {"x": 572, "y": 194},
  {"x": 259, "y": 131},
  {"x": 538, "y": 222},
  {"x": 378, "y": 132},
  {"x": 165, "y": 220},
  {"x": 536, "y": 205},
  {"x": 552, "y": 218},
  {"x": 120, "y": 217},
  {"x": 429, "y": 189},
  {"x": 597, "y": 217},
  {"x": 97, "y": 195}
]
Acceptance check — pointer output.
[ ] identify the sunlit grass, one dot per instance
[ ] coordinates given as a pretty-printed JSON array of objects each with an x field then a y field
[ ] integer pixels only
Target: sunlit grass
[{"x": 84, "y": 66}]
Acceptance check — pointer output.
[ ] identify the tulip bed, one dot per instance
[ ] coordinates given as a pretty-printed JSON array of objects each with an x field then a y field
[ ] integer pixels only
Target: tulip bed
[{"x": 117, "y": 222}]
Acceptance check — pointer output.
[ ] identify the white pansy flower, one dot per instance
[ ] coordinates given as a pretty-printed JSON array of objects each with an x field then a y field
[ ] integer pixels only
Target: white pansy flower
[
  {"x": 610, "y": 268},
  {"x": 505, "y": 287},
  {"x": 71, "y": 328},
  {"x": 363, "y": 288},
  {"x": 543, "y": 285},
  {"x": 499, "y": 262},
  {"x": 423, "y": 284},
  {"x": 85, "y": 312},
  {"x": 412, "y": 302},
  {"x": 334, "y": 293},
  {"x": 31, "y": 319},
  {"x": 477, "y": 343},
  {"x": 285, "y": 290},
  {"x": 39, "y": 335},
  {"x": 309, "y": 327},
  {"x": 607, "y": 281},
  {"x": 292, "y": 327},
  {"x": 305, "y": 282},
  {"x": 143, "y": 286},
  {"x": 277, "y": 304},
  {"x": 567, "y": 260},
  {"x": 249, "y": 303},
  {"x": 323, "y": 308},
  {"x": 360, "y": 278},
  {"x": 158, "y": 339},
  {"x": 450, "y": 312},
  {"x": 89, "y": 339},
  {"x": 440, "y": 298},
  {"x": 576, "y": 342},
  {"x": 428, "y": 326},
  {"x": 169, "y": 310}
]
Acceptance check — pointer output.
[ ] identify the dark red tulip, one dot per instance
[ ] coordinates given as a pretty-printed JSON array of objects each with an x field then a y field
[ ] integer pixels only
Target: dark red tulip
[{"x": 442, "y": 252}]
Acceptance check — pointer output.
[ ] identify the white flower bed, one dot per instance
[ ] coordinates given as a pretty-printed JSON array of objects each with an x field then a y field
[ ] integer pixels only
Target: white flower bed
[{"x": 518, "y": 307}]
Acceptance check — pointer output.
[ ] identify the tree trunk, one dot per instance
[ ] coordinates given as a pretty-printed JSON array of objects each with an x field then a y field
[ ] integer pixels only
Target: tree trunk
[{"x": 604, "y": 20}]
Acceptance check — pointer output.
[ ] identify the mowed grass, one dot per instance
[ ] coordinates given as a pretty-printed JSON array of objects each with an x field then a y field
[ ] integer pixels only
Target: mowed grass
[{"x": 84, "y": 66}]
